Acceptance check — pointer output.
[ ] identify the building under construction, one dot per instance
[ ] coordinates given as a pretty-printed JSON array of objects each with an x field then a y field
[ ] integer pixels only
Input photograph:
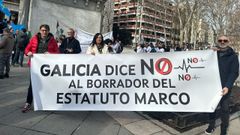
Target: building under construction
[{"x": 148, "y": 20}]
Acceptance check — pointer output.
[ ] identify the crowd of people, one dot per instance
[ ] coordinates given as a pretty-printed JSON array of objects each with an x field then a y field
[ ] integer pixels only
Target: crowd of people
[
  {"x": 13, "y": 45},
  {"x": 14, "y": 55},
  {"x": 160, "y": 47},
  {"x": 12, "y": 49},
  {"x": 44, "y": 42}
]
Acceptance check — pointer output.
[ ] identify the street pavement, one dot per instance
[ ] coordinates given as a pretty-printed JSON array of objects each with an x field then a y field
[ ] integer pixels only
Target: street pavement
[{"x": 13, "y": 92}]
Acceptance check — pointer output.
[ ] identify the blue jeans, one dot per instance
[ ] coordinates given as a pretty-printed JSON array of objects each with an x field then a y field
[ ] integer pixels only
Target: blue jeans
[{"x": 19, "y": 56}]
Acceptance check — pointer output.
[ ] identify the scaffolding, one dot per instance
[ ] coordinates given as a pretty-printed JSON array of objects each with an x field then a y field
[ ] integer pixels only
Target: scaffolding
[{"x": 148, "y": 20}]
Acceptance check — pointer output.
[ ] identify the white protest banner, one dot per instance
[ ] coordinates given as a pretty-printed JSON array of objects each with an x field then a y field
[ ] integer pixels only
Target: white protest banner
[{"x": 176, "y": 82}]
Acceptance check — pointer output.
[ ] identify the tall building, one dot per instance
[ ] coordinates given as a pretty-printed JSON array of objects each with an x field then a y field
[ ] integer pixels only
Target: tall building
[{"x": 148, "y": 20}]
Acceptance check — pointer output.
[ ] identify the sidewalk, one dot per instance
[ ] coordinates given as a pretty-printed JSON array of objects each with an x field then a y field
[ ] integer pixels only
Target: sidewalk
[{"x": 13, "y": 122}]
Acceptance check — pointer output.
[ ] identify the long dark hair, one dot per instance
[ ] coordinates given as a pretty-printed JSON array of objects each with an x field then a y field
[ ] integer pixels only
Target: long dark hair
[{"x": 94, "y": 40}]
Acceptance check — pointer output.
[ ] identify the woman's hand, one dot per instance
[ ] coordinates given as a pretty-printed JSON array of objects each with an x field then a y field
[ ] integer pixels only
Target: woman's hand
[{"x": 30, "y": 54}]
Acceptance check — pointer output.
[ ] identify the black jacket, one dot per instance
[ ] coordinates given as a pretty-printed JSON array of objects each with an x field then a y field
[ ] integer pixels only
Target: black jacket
[
  {"x": 228, "y": 67},
  {"x": 70, "y": 44},
  {"x": 22, "y": 41}
]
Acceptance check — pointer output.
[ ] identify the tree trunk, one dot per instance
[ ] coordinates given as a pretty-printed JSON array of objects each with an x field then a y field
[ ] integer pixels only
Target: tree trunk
[{"x": 181, "y": 37}]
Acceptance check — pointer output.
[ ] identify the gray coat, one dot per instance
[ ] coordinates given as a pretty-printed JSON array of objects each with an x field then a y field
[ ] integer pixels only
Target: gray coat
[{"x": 6, "y": 44}]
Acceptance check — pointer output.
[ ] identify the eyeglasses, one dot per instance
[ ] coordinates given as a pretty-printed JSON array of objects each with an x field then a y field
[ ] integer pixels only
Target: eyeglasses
[
  {"x": 44, "y": 30},
  {"x": 223, "y": 40}
]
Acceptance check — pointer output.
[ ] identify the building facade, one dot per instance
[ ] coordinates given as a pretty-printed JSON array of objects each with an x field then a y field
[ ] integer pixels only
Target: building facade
[
  {"x": 13, "y": 6},
  {"x": 82, "y": 14},
  {"x": 148, "y": 20}
]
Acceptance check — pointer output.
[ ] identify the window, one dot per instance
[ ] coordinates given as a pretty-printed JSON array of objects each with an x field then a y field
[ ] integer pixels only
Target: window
[{"x": 14, "y": 1}]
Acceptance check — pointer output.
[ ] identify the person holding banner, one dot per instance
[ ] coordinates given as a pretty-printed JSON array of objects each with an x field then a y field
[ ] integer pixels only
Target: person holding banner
[
  {"x": 70, "y": 45},
  {"x": 229, "y": 70},
  {"x": 42, "y": 43},
  {"x": 97, "y": 46}
]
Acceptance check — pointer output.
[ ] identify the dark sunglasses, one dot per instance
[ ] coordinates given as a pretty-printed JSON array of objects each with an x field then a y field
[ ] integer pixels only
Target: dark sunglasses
[{"x": 224, "y": 40}]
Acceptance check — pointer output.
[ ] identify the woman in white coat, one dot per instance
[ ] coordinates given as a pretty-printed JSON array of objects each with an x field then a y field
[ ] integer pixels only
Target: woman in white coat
[{"x": 97, "y": 46}]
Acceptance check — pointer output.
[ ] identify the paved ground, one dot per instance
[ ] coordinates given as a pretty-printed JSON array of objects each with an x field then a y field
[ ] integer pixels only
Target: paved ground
[{"x": 13, "y": 122}]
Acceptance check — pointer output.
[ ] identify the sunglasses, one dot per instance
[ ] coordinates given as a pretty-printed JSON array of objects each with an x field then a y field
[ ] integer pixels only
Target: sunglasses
[{"x": 222, "y": 40}]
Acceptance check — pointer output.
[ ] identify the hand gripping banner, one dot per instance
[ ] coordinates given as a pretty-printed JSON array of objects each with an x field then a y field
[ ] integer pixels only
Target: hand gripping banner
[{"x": 176, "y": 82}]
